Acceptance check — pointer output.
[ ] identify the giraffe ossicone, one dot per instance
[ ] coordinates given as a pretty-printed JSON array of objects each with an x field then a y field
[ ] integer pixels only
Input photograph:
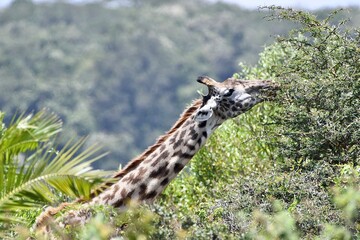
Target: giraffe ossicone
[{"x": 147, "y": 175}]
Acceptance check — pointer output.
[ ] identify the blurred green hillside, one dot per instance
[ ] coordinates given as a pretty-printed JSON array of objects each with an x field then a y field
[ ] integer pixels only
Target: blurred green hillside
[{"x": 123, "y": 74}]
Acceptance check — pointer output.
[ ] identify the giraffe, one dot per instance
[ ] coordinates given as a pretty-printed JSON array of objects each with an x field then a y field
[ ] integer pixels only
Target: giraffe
[{"x": 147, "y": 175}]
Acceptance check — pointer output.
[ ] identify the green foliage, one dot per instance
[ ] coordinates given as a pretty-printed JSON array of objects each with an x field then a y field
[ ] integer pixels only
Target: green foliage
[
  {"x": 280, "y": 225},
  {"x": 96, "y": 229},
  {"x": 26, "y": 133},
  {"x": 318, "y": 65},
  {"x": 316, "y": 123},
  {"x": 107, "y": 222},
  {"x": 33, "y": 172}
]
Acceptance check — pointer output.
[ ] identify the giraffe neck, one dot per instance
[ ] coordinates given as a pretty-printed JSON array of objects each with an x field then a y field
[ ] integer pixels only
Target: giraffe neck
[{"x": 145, "y": 177}]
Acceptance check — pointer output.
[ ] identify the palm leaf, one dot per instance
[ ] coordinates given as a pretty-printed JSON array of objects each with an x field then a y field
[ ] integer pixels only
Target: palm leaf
[
  {"x": 26, "y": 133},
  {"x": 33, "y": 173}
]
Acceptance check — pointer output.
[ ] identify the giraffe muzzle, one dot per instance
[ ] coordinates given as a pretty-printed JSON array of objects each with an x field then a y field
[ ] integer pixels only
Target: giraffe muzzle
[{"x": 268, "y": 91}]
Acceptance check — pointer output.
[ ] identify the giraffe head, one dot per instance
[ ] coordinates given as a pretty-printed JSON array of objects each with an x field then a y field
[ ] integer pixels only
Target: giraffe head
[{"x": 232, "y": 97}]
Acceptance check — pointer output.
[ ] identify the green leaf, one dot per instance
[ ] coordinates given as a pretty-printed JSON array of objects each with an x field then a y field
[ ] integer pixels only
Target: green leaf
[{"x": 33, "y": 173}]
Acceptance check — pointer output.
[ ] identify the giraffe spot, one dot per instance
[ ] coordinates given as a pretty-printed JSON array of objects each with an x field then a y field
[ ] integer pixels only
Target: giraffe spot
[
  {"x": 148, "y": 160},
  {"x": 151, "y": 195},
  {"x": 136, "y": 179},
  {"x": 162, "y": 171},
  {"x": 205, "y": 134},
  {"x": 182, "y": 155},
  {"x": 118, "y": 203},
  {"x": 202, "y": 124},
  {"x": 163, "y": 155},
  {"x": 177, "y": 153},
  {"x": 143, "y": 188},
  {"x": 194, "y": 136},
  {"x": 182, "y": 134},
  {"x": 164, "y": 182},
  {"x": 176, "y": 134},
  {"x": 166, "y": 164},
  {"x": 177, "y": 144},
  {"x": 186, "y": 155},
  {"x": 115, "y": 190},
  {"x": 128, "y": 178},
  {"x": 130, "y": 194},
  {"x": 107, "y": 197},
  {"x": 199, "y": 141},
  {"x": 123, "y": 193},
  {"x": 153, "y": 155},
  {"x": 139, "y": 176},
  {"x": 178, "y": 167},
  {"x": 186, "y": 123},
  {"x": 162, "y": 148},
  {"x": 190, "y": 147},
  {"x": 239, "y": 105},
  {"x": 232, "y": 102},
  {"x": 172, "y": 140}
]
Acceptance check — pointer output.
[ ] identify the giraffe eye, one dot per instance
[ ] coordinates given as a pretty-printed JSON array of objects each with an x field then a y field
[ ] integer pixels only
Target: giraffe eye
[{"x": 228, "y": 92}]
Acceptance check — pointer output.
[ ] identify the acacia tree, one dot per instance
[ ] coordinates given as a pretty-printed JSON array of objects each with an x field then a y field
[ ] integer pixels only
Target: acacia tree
[
  {"x": 320, "y": 66},
  {"x": 308, "y": 186},
  {"x": 317, "y": 130}
]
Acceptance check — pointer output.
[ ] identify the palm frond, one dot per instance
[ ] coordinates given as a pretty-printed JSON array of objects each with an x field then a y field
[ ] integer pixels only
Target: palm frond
[
  {"x": 27, "y": 132},
  {"x": 33, "y": 173}
]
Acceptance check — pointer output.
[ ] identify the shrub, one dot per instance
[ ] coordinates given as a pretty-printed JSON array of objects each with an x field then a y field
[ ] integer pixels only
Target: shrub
[
  {"x": 317, "y": 123},
  {"x": 319, "y": 67},
  {"x": 300, "y": 154}
]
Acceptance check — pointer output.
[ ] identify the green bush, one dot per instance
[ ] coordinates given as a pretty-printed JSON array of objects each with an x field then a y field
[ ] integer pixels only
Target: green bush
[
  {"x": 319, "y": 68},
  {"x": 317, "y": 124},
  {"x": 298, "y": 153}
]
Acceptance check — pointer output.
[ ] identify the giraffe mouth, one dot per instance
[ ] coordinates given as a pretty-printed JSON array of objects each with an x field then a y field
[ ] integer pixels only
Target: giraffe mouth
[{"x": 268, "y": 92}]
